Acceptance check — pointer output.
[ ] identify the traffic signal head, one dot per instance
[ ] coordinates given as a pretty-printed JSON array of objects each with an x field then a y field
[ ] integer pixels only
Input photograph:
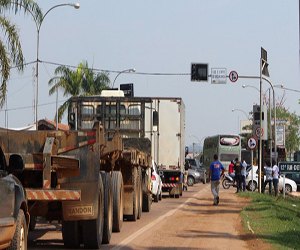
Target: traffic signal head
[{"x": 199, "y": 72}]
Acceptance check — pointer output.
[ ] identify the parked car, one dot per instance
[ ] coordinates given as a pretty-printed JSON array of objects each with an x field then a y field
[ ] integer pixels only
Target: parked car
[
  {"x": 295, "y": 177},
  {"x": 14, "y": 216},
  {"x": 290, "y": 185},
  {"x": 196, "y": 173},
  {"x": 156, "y": 183}
]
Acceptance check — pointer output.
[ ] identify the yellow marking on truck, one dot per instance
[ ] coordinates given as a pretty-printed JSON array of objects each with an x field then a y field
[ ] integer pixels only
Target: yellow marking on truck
[{"x": 80, "y": 210}]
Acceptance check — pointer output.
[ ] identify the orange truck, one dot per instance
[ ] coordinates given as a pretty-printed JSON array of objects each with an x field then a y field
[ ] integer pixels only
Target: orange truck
[{"x": 90, "y": 176}]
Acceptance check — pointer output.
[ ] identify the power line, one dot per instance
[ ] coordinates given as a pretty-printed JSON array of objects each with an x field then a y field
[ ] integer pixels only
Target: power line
[{"x": 115, "y": 71}]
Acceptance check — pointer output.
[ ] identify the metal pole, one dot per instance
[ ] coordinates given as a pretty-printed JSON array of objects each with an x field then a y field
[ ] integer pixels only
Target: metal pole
[
  {"x": 252, "y": 170},
  {"x": 270, "y": 126},
  {"x": 56, "y": 108},
  {"x": 38, "y": 28},
  {"x": 260, "y": 119}
]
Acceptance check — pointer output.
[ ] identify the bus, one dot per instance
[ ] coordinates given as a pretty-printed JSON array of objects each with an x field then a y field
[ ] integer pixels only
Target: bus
[{"x": 227, "y": 147}]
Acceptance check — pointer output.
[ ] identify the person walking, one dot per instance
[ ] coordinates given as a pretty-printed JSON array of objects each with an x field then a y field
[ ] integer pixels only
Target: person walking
[
  {"x": 231, "y": 170},
  {"x": 244, "y": 175},
  {"x": 238, "y": 174},
  {"x": 275, "y": 174},
  {"x": 216, "y": 170},
  {"x": 268, "y": 173}
]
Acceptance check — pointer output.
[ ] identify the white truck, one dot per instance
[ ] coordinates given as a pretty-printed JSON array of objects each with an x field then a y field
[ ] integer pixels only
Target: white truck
[{"x": 166, "y": 131}]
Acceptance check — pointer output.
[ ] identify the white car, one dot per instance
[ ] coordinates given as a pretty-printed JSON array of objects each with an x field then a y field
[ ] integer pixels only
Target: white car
[
  {"x": 290, "y": 185},
  {"x": 156, "y": 183}
]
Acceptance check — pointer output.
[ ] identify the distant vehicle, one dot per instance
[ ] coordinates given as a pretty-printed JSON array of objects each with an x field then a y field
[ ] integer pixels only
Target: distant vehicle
[
  {"x": 167, "y": 141},
  {"x": 290, "y": 185},
  {"x": 227, "y": 147},
  {"x": 196, "y": 173},
  {"x": 156, "y": 183},
  {"x": 193, "y": 177},
  {"x": 14, "y": 216},
  {"x": 295, "y": 177}
]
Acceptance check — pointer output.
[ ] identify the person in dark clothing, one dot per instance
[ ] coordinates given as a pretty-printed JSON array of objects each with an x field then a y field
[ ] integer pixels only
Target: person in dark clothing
[{"x": 238, "y": 174}]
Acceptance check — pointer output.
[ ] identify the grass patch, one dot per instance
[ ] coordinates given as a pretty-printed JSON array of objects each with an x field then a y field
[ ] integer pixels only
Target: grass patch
[{"x": 275, "y": 220}]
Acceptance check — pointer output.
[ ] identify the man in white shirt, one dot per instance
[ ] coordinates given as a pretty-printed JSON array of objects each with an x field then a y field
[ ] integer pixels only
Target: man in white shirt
[{"x": 275, "y": 173}]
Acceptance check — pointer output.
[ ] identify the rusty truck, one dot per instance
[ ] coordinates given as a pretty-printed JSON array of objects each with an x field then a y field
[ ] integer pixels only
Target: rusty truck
[{"x": 89, "y": 177}]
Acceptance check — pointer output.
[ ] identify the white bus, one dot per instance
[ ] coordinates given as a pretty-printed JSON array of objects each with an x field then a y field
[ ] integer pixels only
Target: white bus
[{"x": 227, "y": 147}]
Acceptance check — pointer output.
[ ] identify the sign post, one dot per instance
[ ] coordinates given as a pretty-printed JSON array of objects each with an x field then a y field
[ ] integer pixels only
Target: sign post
[{"x": 252, "y": 145}]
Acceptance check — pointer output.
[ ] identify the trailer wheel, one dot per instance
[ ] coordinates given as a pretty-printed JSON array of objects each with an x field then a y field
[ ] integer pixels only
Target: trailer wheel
[
  {"x": 134, "y": 215},
  {"x": 147, "y": 200},
  {"x": 140, "y": 193},
  {"x": 108, "y": 212},
  {"x": 118, "y": 200},
  {"x": 70, "y": 234},
  {"x": 19, "y": 240},
  {"x": 92, "y": 230},
  {"x": 32, "y": 222}
]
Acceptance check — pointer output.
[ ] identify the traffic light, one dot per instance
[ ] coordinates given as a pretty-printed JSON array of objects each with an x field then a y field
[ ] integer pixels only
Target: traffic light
[{"x": 199, "y": 72}]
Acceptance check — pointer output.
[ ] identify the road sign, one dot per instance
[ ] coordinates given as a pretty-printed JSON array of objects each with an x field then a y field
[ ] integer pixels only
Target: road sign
[
  {"x": 289, "y": 166},
  {"x": 252, "y": 143},
  {"x": 218, "y": 75},
  {"x": 259, "y": 133},
  {"x": 233, "y": 76}
]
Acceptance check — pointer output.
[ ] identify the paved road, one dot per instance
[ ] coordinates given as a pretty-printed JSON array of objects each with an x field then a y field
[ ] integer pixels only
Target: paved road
[{"x": 190, "y": 222}]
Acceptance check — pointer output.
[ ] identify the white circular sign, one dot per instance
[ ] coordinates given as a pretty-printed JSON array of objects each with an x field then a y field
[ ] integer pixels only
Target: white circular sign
[
  {"x": 252, "y": 143},
  {"x": 233, "y": 76},
  {"x": 259, "y": 133}
]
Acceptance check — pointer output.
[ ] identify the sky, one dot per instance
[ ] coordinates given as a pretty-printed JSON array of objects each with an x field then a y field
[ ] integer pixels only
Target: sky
[{"x": 159, "y": 38}]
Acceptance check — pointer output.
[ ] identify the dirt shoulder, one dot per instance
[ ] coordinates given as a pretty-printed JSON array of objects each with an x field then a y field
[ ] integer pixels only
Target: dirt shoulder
[{"x": 234, "y": 205}]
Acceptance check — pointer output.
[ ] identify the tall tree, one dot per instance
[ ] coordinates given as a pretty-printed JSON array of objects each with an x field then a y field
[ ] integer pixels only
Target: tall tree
[
  {"x": 10, "y": 45},
  {"x": 82, "y": 81}
]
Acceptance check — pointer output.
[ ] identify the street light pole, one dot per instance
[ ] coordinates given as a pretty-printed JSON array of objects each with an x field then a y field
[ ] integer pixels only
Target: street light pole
[
  {"x": 123, "y": 71},
  {"x": 247, "y": 117},
  {"x": 38, "y": 28}
]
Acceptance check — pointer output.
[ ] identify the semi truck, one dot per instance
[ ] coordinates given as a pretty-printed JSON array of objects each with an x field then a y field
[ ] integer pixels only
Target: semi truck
[
  {"x": 90, "y": 176},
  {"x": 167, "y": 133}
]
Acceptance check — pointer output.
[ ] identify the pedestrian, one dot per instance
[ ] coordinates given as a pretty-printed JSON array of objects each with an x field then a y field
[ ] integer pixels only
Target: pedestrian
[
  {"x": 275, "y": 174},
  {"x": 185, "y": 175},
  {"x": 238, "y": 174},
  {"x": 230, "y": 169},
  {"x": 216, "y": 171},
  {"x": 244, "y": 175},
  {"x": 268, "y": 173}
]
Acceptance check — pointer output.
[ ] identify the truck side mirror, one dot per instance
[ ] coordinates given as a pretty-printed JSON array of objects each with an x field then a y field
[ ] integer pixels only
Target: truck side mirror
[
  {"x": 16, "y": 164},
  {"x": 71, "y": 120},
  {"x": 155, "y": 120}
]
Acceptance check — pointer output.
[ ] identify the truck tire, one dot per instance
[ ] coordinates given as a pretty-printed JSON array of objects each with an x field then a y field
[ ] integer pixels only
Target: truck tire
[
  {"x": 118, "y": 200},
  {"x": 140, "y": 193},
  {"x": 108, "y": 207},
  {"x": 147, "y": 200},
  {"x": 32, "y": 222},
  {"x": 92, "y": 230},
  {"x": 19, "y": 240},
  {"x": 135, "y": 195},
  {"x": 70, "y": 234}
]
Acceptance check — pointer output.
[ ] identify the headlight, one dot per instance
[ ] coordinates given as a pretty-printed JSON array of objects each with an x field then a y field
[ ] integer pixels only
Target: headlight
[{"x": 197, "y": 174}]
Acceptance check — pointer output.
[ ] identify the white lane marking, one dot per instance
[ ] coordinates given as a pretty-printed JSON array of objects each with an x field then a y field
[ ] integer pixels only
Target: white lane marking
[{"x": 126, "y": 241}]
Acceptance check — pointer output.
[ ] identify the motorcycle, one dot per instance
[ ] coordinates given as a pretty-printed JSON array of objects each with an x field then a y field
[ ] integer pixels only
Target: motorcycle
[{"x": 228, "y": 181}]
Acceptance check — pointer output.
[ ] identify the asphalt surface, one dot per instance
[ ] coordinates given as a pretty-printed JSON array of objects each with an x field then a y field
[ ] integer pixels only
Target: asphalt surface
[{"x": 190, "y": 222}]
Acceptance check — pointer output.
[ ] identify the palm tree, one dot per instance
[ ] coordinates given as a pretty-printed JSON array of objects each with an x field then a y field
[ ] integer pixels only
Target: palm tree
[
  {"x": 82, "y": 81},
  {"x": 10, "y": 45}
]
